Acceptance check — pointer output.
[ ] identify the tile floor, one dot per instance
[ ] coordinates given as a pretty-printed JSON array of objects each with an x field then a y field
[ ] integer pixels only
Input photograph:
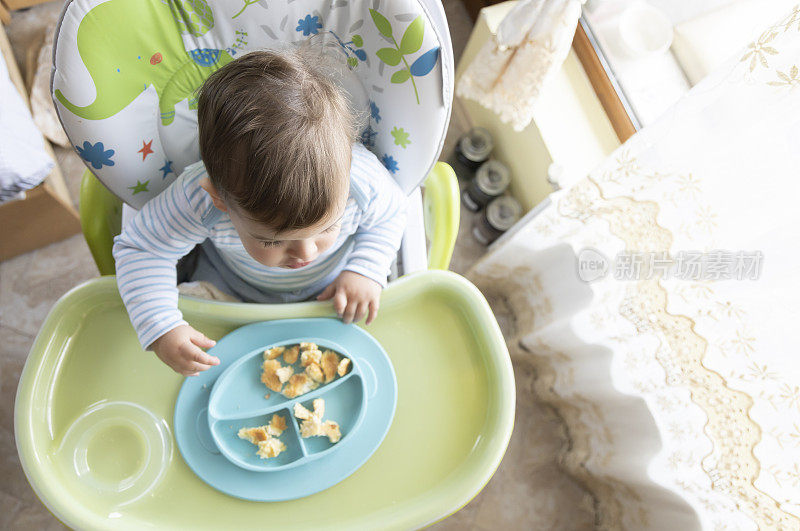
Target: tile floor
[{"x": 529, "y": 491}]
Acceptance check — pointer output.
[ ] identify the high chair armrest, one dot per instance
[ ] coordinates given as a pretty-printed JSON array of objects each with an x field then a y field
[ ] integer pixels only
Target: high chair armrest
[
  {"x": 442, "y": 209},
  {"x": 101, "y": 221}
]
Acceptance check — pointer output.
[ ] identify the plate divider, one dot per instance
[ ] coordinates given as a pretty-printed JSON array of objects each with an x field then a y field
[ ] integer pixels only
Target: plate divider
[
  {"x": 289, "y": 403},
  {"x": 296, "y": 424}
]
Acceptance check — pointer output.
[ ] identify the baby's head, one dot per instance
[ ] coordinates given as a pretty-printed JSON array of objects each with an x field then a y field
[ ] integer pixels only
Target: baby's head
[{"x": 276, "y": 136}]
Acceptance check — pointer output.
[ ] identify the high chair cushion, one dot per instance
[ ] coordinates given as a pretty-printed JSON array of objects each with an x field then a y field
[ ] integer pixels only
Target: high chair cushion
[{"x": 125, "y": 74}]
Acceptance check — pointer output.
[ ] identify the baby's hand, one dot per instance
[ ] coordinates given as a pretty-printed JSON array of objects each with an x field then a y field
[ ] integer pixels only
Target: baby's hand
[
  {"x": 354, "y": 296},
  {"x": 180, "y": 348}
]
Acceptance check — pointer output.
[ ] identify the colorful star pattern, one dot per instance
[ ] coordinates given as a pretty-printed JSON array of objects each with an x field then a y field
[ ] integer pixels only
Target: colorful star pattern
[
  {"x": 140, "y": 187},
  {"x": 166, "y": 168},
  {"x": 146, "y": 149}
]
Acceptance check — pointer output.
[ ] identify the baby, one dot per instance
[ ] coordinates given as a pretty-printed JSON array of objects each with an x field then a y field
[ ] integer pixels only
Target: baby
[{"x": 285, "y": 203}]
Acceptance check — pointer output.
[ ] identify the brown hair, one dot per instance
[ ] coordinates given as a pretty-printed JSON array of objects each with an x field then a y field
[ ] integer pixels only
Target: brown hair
[{"x": 276, "y": 136}]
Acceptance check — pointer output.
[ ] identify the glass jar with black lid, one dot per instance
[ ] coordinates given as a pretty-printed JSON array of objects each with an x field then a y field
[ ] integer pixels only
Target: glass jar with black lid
[
  {"x": 490, "y": 181},
  {"x": 500, "y": 215},
  {"x": 472, "y": 150}
]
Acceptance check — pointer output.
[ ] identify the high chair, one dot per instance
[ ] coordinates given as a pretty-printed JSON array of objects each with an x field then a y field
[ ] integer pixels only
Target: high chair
[{"x": 123, "y": 79}]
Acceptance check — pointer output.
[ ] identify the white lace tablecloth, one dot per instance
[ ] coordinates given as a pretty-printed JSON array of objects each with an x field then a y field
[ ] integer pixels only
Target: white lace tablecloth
[{"x": 676, "y": 369}]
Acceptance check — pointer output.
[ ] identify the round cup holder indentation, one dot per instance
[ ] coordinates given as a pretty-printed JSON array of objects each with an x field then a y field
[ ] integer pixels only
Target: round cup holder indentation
[{"x": 117, "y": 449}]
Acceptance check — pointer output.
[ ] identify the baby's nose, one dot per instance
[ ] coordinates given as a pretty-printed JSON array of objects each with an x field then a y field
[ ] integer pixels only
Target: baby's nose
[{"x": 304, "y": 250}]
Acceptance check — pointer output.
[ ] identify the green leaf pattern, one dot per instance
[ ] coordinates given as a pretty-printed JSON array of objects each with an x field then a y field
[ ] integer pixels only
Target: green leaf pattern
[
  {"x": 412, "y": 38},
  {"x": 401, "y": 76},
  {"x": 383, "y": 25},
  {"x": 410, "y": 42},
  {"x": 390, "y": 56}
]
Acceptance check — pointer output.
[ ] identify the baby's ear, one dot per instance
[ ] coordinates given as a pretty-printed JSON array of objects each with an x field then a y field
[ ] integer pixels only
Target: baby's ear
[{"x": 205, "y": 184}]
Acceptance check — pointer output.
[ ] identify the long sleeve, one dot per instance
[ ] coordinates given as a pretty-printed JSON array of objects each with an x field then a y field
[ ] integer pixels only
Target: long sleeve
[
  {"x": 381, "y": 227},
  {"x": 166, "y": 229}
]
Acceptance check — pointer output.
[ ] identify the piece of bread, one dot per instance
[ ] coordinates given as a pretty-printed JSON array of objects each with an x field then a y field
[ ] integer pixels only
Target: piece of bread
[
  {"x": 274, "y": 352},
  {"x": 277, "y": 425},
  {"x": 313, "y": 425},
  {"x": 284, "y": 373},
  {"x": 307, "y": 357},
  {"x": 269, "y": 375},
  {"x": 254, "y": 435},
  {"x": 314, "y": 372},
  {"x": 290, "y": 354},
  {"x": 265, "y": 437},
  {"x": 343, "y": 367},
  {"x": 331, "y": 430},
  {"x": 299, "y": 384},
  {"x": 330, "y": 361},
  {"x": 308, "y": 346},
  {"x": 270, "y": 448}
]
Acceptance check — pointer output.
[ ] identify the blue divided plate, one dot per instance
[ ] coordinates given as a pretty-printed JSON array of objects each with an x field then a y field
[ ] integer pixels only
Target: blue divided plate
[
  {"x": 370, "y": 384},
  {"x": 238, "y": 401}
]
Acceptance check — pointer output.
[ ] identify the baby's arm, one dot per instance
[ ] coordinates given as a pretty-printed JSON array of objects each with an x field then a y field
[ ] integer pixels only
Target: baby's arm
[
  {"x": 356, "y": 292},
  {"x": 146, "y": 252}
]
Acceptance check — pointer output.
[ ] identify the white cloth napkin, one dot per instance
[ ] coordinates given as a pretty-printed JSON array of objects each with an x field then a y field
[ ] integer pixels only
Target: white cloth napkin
[
  {"x": 510, "y": 70},
  {"x": 23, "y": 162}
]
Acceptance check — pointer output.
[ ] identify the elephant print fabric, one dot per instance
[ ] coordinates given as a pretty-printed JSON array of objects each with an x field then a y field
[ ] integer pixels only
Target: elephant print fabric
[
  {"x": 148, "y": 52},
  {"x": 127, "y": 71}
]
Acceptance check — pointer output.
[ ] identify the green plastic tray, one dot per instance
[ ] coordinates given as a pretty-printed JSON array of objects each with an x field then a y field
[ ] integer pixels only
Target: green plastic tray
[{"x": 454, "y": 417}]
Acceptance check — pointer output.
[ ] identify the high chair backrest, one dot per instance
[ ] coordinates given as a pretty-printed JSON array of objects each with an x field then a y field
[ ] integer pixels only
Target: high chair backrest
[{"x": 125, "y": 73}]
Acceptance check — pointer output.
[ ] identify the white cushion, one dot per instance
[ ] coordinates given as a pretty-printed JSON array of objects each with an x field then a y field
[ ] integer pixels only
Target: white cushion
[{"x": 137, "y": 141}]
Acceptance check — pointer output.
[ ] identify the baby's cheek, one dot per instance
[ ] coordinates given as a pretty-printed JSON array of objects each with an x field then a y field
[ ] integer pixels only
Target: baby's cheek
[{"x": 325, "y": 243}]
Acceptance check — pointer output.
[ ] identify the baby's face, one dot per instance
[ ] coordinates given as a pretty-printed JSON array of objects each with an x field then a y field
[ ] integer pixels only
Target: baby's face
[{"x": 290, "y": 249}]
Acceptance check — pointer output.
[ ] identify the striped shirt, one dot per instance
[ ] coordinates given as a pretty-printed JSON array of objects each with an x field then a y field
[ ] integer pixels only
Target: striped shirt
[{"x": 170, "y": 225}]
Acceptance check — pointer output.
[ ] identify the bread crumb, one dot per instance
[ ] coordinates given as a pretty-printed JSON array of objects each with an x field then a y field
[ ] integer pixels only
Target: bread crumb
[
  {"x": 270, "y": 448},
  {"x": 330, "y": 360},
  {"x": 343, "y": 367},
  {"x": 284, "y": 373},
  {"x": 274, "y": 352},
  {"x": 274, "y": 375},
  {"x": 299, "y": 384},
  {"x": 266, "y": 396},
  {"x": 277, "y": 425},
  {"x": 265, "y": 437},
  {"x": 307, "y": 357},
  {"x": 313, "y": 425},
  {"x": 290, "y": 354},
  {"x": 314, "y": 372}
]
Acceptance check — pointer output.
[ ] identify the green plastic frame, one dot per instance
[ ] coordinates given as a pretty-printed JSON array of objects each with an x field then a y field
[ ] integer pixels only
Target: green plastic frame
[
  {"x": 441, "y": 204},
  {"x": 68, "y": 365},
  {"x": 101, "y": 221}
]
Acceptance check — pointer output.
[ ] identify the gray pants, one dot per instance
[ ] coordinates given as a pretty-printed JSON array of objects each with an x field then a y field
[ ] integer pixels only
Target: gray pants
[{"x": 203, "y": 264}]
